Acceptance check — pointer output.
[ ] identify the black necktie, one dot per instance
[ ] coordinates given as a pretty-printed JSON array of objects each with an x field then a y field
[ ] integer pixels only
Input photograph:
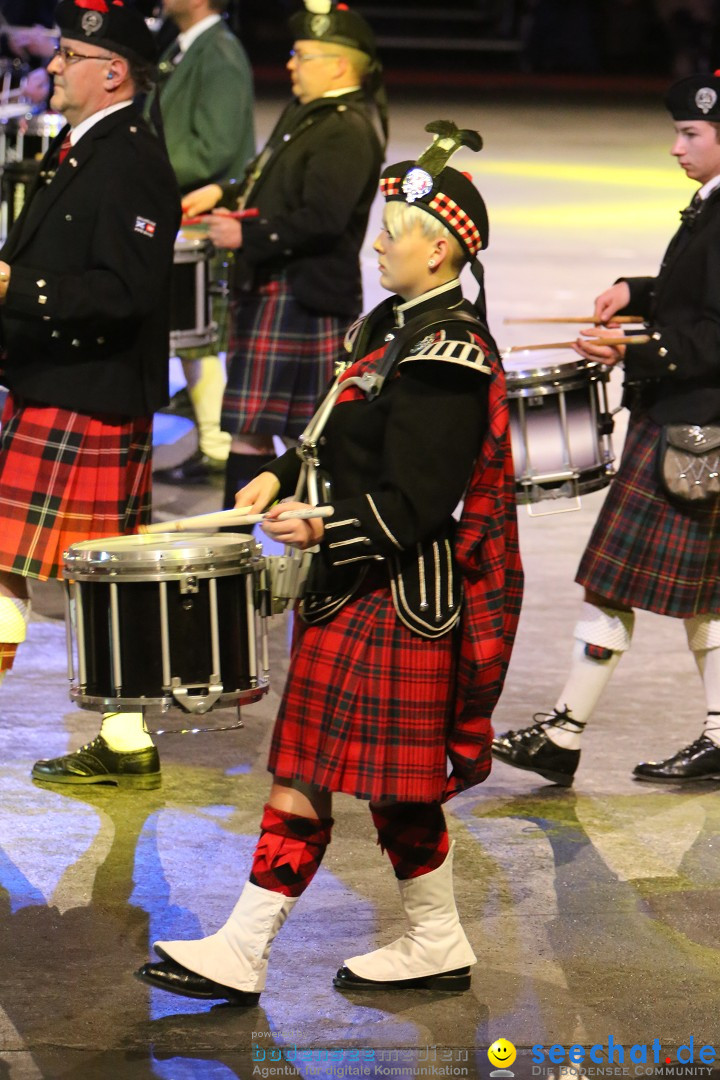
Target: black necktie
[{"x": 689, "y": 215}]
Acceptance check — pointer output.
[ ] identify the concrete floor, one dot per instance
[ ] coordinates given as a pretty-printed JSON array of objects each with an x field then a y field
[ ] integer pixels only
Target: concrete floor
[{"x": 591, "y": 910}]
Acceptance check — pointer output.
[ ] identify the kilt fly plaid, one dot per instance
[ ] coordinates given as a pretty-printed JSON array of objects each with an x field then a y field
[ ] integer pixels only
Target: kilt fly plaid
[
  {"x": 646, "y": 552},
  {"x": 66, "y": 477},
  {"x": 280, "y": 360},
  {"x": 366, "y": 706}
]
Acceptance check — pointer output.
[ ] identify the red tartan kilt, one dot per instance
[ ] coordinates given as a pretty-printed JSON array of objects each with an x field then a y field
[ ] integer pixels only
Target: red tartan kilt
[
  {"x": 67, "y": 477},
  {"x": 644, "y": 551},
  {"x": 367, "y": 706}
]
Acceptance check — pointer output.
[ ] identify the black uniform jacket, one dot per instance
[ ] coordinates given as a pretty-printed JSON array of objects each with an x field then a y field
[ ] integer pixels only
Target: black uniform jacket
[
  {"x": 85, "y": 321},
  {"x": 313, "y": 184},
  {"x": 676, "y": 376},
  {"x": 398, "y": 467}
]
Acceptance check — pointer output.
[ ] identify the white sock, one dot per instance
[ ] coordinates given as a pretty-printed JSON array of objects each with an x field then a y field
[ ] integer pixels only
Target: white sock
[
  {"x": 125, "y": 731},
  {"x": 703, "y": 633}
]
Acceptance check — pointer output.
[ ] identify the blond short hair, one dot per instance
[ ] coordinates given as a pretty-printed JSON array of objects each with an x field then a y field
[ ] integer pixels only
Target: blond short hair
[{"x": 401, "y": 217}]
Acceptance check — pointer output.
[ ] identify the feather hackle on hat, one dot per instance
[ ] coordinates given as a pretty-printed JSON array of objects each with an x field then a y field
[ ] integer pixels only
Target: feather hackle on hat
[{"x": 449, "y": 138}]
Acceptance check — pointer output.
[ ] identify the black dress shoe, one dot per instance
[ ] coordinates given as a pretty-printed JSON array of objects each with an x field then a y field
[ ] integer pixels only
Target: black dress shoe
[
  {"x": 531, "y": 749},
  {"x": 179, "y": 405},
  {"x": 96, "y": 763},
  {"x": 698, "y": 761},
  {"x": 198, "y": 469},
  {"x": 175, "y": 978},
  {"x": 453, "y": 981}
]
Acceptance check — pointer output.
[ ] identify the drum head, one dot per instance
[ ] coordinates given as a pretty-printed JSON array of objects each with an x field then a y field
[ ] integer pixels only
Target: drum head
[
  {"x": 158, "y": 555},
  {"x": 534, "y": 370}
]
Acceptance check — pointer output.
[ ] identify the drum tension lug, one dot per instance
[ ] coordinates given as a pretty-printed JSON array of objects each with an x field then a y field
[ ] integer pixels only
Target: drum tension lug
[
  {"x": 606, "y": 424},
  {"x": 189, "y": 584}
]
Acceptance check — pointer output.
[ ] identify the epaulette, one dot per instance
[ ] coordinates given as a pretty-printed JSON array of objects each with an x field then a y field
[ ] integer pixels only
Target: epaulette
[{"x": 438, "y": 346}]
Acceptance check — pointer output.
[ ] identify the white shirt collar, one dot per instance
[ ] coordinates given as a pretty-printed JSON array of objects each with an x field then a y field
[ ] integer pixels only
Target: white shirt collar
[
  {"x": 404, "y": 310},
  {"x": 187, "y": 37},
  {"x": 339, "y": 93},
  {"x": 77, "y": 133}
]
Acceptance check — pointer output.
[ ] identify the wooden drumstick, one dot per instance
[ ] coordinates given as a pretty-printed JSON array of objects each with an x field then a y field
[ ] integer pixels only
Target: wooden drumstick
[
  {"x": 621, "y": 319},
  {"x": 631, "y": 339},
  {"x": 238, "y": 215},
  {"x": 225, "y": 518}
]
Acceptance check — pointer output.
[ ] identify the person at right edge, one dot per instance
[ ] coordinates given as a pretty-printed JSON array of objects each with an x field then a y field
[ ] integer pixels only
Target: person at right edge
[
  {"x": 647, "y": 551},
  {"x": 406, "y": 627}
]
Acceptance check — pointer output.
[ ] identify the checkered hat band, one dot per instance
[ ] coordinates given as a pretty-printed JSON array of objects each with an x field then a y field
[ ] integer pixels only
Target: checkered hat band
[
  {"x": 390, "y": 185},
  {"x": 458, "y": 221}
]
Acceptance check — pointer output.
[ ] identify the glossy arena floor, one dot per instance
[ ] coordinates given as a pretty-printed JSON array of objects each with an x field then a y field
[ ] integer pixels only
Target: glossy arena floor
[{"x": 593, "y": 910}]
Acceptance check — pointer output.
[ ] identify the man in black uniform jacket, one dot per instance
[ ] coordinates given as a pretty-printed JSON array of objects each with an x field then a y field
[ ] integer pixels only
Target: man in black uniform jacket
[
  {"x": 297, "y": 283},
  {"x": 84, "y": 304}
]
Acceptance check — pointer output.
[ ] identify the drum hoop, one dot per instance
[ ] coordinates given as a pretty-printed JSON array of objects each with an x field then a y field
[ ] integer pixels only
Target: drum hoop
[{"x": 556, "y": 371}]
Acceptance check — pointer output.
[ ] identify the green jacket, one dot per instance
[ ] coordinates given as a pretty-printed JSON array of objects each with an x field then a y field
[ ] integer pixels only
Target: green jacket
[{"x": 206, "y": 103}]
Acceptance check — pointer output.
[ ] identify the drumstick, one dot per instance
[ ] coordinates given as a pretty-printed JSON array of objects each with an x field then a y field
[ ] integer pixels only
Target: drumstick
[
  {"x": 223, "y": 518},
  {"x": 633, "y": 339},
  {"x": 579, "y": 319},
  {"x": 237, "y": 215}
]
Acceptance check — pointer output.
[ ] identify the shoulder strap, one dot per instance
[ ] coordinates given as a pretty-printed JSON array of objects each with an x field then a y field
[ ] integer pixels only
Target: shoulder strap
[{"x": 404, "y": 335}]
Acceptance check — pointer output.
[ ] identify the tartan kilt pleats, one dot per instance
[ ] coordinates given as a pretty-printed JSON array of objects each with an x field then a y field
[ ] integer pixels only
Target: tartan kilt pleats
[
  {"x": 367, "y": 706},
  {"x": 67, "y": 477},
  {"x": 281, "y": 358},
  {"x": 646, "y": 552}
]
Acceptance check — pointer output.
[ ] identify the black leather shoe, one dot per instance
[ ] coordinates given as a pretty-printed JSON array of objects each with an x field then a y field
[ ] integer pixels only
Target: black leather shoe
[
  {"x": 179, "y": 405},
  {"x": 198, "y": 469},
  {"x": 531, "y": 749},
  {"x": 698, "y": 761},
  {"x": 453, "y": 981},
  {"x": 175, "y": 978},
  {"x": 96, "y": 763}
]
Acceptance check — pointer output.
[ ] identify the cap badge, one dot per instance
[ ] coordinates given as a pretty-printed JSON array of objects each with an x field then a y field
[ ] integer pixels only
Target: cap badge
[
  {"x": 416, "y": 184},
  {"x": 319, "y": 25},
  {"x": 705, "y": 99},
  {"x": 91, "y": 22}
]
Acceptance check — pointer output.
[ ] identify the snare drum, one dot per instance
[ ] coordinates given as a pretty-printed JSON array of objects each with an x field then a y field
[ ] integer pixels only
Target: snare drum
[
  {"x": 560, "y": 428},
  {"x": 24, "y": 134},
  {"x": 165, "y": 620},
  {"x": 191, "y": 321}
]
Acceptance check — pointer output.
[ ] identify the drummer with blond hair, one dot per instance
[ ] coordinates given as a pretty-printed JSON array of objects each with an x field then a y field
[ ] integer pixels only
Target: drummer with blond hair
[{"x": 648, "y": 549}]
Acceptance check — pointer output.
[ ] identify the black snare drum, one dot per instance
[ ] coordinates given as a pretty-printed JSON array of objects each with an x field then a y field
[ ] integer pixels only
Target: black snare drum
[
  {"x": 191, "y": 319},
  {"x": 560, "y": 428},
  {"x": 165, "y": 620}
]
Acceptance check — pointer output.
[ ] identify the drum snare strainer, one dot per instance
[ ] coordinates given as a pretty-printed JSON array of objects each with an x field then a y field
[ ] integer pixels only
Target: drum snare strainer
[{"x": 165, "y": 620}]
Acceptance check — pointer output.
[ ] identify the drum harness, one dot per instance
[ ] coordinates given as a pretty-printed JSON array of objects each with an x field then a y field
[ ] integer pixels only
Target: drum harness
[{"x": 289, "y": 571}]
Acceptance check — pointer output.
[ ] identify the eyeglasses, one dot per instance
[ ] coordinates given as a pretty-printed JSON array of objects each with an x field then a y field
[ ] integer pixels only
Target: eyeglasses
[
  {"x": 69, "y": 56},
  {"x": 301, "y": 58}
]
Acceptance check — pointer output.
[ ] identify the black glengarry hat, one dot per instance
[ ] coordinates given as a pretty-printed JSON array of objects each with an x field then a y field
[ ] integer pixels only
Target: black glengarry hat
[
  {"x": 324, "y": 20},
  {"x": 695, "y": 98},
  {"x": 116, "y": 25},
  {"x": 446, "y": 193}
]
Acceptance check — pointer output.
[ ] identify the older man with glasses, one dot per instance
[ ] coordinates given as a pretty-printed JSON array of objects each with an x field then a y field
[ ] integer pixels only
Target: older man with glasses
[
  {"x": 296, "y": 283},
  {"x": 84, "y": 305}
]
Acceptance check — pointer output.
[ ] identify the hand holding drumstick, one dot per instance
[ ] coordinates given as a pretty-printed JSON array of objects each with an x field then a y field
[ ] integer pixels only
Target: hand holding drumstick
[{"x": 606, "y": 305}]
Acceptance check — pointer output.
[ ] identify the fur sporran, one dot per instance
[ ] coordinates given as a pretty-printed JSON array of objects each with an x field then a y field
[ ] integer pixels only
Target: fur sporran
[{"x": 689, "y": 462}]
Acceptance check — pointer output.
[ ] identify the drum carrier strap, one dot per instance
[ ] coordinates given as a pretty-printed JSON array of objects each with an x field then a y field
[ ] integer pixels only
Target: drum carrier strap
[{"x": 290, "y": 570}]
